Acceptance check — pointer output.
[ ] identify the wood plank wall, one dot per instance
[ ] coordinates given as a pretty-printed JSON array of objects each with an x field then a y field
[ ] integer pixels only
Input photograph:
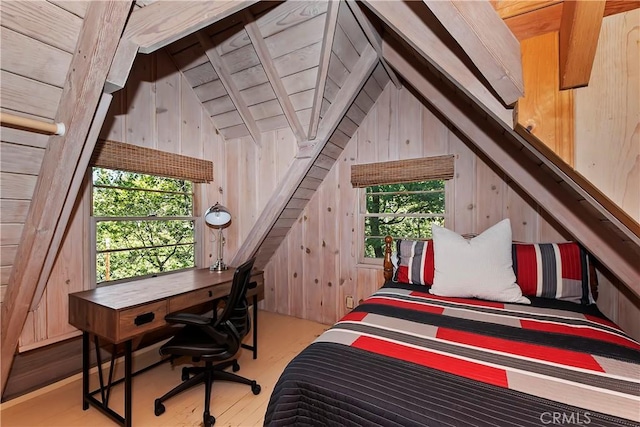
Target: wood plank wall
[
  {"x": 252, "y": 175},
  {"x": 607, "y": 114},
  {"x": 159, "y": 109},
  {"x": 607, "y": 141},
  {"x": 35, "y": 59},
  {"x": 156, "y": 110},
  {"x": 316, "y": 266}
]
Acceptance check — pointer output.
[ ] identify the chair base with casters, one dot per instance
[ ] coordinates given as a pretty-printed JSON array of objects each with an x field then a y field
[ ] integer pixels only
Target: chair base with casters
[
  {"x": 192, "y": 376},
  {"x": 212, "y": 339}
]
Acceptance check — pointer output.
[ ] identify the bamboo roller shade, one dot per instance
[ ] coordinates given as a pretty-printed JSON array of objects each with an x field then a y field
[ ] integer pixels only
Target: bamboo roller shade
[
  {"x": 131, "y": 158},
  {"x": 395, "y": 172}
]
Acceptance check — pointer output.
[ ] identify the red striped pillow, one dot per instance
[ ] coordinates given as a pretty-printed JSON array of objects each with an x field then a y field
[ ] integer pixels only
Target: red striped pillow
[
  {"x": 553, "y": 270},
  {"x": 415, "y": 262}
]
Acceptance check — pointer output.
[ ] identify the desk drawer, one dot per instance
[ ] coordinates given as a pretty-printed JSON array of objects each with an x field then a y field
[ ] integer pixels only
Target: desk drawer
[
  {"x": 138, "y": 320},
  {"x": 181, "y": 302}
]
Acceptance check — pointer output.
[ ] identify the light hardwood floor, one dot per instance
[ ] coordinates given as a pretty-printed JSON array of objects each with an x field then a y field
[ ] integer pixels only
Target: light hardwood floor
[{"x": 280, "y": 338}]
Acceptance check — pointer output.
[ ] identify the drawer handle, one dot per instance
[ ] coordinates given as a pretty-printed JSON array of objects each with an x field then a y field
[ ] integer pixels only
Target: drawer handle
[
  {"x": 210, "y": 294},
  {"x": 144, "y": 318}
]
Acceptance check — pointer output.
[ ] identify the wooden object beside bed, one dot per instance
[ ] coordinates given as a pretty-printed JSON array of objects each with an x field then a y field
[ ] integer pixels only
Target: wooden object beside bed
[{"x": 387, "y": 264}]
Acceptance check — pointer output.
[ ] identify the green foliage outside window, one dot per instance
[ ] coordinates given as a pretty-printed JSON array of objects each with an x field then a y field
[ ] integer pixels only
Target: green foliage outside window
[
  {"x": 144, "y": 224},
  {"x": 401, "y": 211}
]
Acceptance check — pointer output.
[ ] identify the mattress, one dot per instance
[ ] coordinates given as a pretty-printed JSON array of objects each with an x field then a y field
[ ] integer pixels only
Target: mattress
[{"x": 405, "y": 357}]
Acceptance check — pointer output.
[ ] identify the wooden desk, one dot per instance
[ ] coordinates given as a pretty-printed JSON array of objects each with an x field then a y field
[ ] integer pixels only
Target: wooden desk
[{"x": 119, "y": 313}]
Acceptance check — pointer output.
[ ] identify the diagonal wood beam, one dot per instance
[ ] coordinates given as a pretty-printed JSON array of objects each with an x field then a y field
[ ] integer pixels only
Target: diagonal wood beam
[
  {"x": 579, "y": 33},
  {"x": 227, "y": 81},
  {"x": 422, "y": 31},
  {"x": 262, "y": 51},
  {"x": 121, "y": 66},
  {"x": 161, "y": 23},
  {"x": 323, "y": 68},
  {"x": 374, "y": 38},
  {"x": 412, "y": 35},
  {"x": 347, "y": 93},
  {"x": 62, "y": 162},
  {"x": 301, "y": 165},
  {"x": 487, "y": 41},
  {"x": 501, "y": 146},
  {"x": 75, "y": 188}
]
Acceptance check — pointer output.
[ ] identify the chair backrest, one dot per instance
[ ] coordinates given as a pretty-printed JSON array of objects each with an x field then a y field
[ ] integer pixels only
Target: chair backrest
[{"x": 236, "y": 310}]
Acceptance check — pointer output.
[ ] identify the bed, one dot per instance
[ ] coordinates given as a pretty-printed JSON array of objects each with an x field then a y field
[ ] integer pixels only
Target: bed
[{"x": 406, "y": 357}]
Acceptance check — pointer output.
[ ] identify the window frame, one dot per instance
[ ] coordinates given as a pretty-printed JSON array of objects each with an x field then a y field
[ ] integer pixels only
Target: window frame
[
  {"x": 93, "y": 222},
  {"x": 364, "y": 261}
]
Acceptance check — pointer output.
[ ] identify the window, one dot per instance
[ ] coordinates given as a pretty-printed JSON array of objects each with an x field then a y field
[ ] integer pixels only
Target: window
[
  {"x": 144, "y": 224},
  {"x": 400, "y": 210}
]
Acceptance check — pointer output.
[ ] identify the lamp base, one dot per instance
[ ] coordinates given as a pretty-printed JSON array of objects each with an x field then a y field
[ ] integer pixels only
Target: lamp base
[{"x": 218, "y": 266}]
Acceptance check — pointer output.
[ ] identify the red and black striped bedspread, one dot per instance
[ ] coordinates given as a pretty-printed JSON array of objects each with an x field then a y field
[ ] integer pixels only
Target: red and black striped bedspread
[{"x": 405, "y": 357}]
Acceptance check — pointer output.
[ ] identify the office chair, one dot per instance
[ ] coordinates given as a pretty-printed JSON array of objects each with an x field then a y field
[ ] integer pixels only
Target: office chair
[{"x": 212, "y": 339}]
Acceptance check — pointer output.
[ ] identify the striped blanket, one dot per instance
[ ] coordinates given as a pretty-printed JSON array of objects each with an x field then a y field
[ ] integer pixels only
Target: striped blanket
[{"x": 406, "y": 357}]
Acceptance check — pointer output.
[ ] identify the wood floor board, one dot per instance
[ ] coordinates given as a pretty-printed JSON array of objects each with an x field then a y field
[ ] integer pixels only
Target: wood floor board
[{"x": 280, "y": 339}]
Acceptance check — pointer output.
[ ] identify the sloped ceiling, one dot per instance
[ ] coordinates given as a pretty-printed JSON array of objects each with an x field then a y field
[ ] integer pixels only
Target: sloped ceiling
[
  {"x": 259, "y": 70},
  {"x": 292, "y": 34},
  {"x": 318, "y": 67}
]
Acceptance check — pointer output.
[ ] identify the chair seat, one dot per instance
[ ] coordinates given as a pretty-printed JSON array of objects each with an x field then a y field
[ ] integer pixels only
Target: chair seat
[
  {"x": 211, "y": 339},
  {"x": 191, "y": 341}
]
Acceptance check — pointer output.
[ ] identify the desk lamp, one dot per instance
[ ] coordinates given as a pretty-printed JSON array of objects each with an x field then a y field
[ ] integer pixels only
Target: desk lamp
[{"x": 218, "y": 217}]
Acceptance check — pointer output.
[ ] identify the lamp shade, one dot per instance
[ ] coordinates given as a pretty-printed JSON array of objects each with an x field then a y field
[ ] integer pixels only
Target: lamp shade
[{"x": 217, "y": 216}]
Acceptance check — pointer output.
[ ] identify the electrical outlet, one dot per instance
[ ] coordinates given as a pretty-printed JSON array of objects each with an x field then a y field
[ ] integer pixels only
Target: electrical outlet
[{"x": 349, "y": 302}]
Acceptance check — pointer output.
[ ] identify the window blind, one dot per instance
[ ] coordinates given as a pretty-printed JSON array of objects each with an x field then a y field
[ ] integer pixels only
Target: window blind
[
  {"x": 132, "y": 158},
  {"x": 398, "y": 171}
]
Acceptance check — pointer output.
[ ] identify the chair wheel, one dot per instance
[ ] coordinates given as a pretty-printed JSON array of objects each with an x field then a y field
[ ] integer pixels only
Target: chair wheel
[
  {"x": 235, "y": 367},
  {"x": 158, "y": 408},
  {"x": 185, "y": 374},
  {"x": 255, "y": 388},
  {"x": 209, "y": 420}
]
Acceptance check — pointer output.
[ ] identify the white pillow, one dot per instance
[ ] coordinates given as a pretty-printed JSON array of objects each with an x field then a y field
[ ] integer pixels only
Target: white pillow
[{"x": 476, "y": 268}]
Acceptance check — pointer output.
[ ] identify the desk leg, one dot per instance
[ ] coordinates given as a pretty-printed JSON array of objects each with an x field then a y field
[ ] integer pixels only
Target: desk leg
[
  {"x": 85, "y": 370},
  {"x": 255, "y": 326},
  {"x": 127, "y": 384}
]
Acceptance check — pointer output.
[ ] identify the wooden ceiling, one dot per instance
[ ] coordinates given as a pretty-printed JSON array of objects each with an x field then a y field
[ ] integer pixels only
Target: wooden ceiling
[
  {"x": 314, "y": 66},
  {"x": 280, "y": 64},
  {"x": 274, "y": 65}
]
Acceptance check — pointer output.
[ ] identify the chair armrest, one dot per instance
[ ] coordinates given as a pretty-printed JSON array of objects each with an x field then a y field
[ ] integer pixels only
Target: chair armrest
[
  {"x": 188, "y": 319},
  {"x": 252, "y": 285}
]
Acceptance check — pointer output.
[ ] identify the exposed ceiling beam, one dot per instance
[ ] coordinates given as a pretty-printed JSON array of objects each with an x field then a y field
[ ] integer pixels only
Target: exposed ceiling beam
[
  {"x": 121, "y": 66},
  {"x": 617, "y": 215},
  {"x": 425, "y": 34},
  {"x": 412, "y": 35},
  {"x": 323, "y": 68},
  {"x": 301, "y": 165},
  {"x": 348, "y": 92},
  {"x": 502, "y": 148},
  {"x": 227, "y": 81},
  {"x": 163, "y": 22},
  {"x": 75, "y": 188},
  {"x": 149, "y": 29},
  {"x": 487, "y": 41},
  {"x": 62, "y": 163},
  {"x": 251, "y": 26},
  {"x": 374, "y": 38},
  {"x": 579, "y": 33},
  {"x": 534, "y": 22}
]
